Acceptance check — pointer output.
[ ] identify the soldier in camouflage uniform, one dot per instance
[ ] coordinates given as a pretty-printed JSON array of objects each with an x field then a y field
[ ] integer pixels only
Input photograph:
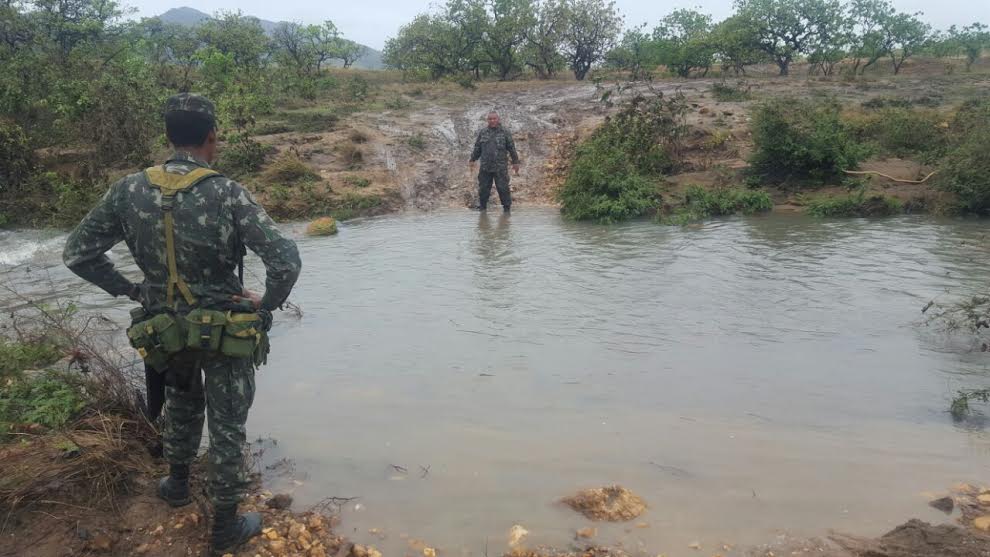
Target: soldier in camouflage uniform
[
  {"x": 493, "y": 145},
  {"x": 212, "y": 221}
]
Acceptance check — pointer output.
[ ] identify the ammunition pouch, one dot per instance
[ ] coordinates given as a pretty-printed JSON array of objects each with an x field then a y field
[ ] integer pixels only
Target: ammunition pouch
[{"x": 237, "y": 335}]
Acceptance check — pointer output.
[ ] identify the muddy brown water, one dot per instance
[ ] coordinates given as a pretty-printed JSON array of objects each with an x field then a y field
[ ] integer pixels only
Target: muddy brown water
[{"x": 746, "y": 377}]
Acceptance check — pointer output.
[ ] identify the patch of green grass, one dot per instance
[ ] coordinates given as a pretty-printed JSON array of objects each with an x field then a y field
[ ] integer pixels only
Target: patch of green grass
[
  {"x": 397, "y": 103},
  {"x": 242, "y": 155},
  {"x": 289, "y": 169},
  {"x": 700, "y": 203},
  {"x": 357, "y": 181},
  {"x": 859, "y": 204},
  {"x": 351, "y": 205},
  {"x": 965, "y": 168}
]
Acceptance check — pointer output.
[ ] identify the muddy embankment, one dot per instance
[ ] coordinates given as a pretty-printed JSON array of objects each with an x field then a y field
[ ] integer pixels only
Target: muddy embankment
[{"x": 415, "y": 157}]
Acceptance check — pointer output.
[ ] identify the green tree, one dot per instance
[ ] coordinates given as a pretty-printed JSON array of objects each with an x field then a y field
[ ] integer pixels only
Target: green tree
[
  {"x": 544, "y": 37},
  {"x": 323, "y": 41},
  {"x": 907, "y": 35},
  {"x": 683, "y": 42},
  {"x": 293, "y": 48},
  {"x": 971, "y": 40},
  {"x": 786, "y": 29},
  {"x": 635, "y": 53},
  {"x": 238, "y": 36},
  {"x": 505, "y": 33},
  {"x": 736, "y": 46},
  {"x": 592, "y": 30},
  {"x": 348, "y": 52}
]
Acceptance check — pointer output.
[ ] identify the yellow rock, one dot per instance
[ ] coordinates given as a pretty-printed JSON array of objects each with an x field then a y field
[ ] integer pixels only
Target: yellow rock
[
  {"x": 323, "y": 226},
  {"x": 516, "y": 535},
  {"x": 271, "y": 534},
  {"x": 982, "y": 523},
  {"x": 984, "y": 499},
  {"x": 428, "y": 552},
  {"x": 277, "y": 547},
  {"x": 587, "y": 532}
]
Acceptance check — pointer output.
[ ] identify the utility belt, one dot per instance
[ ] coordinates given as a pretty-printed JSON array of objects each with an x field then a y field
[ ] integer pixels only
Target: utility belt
[{"x": 158, "y": 337}]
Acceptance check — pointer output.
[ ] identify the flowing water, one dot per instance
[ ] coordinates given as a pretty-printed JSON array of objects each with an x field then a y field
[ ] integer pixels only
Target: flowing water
[{"x": 459, "y": 373}]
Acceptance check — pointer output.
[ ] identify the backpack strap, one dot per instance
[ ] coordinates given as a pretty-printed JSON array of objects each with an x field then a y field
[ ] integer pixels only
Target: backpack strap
[{"x": 170, "y": 184}]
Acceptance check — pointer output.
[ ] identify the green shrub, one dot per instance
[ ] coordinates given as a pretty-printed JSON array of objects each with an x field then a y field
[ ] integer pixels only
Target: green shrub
[
  {"x": 242, "y": 155},
  {"x": 965, "y": 168},
  {"x": 604, "y": 185},
  {"x": 18, "y": 356},
  {"x": 357, "y": 89},
  {"x": 723, "y": 92},
  {"x": 73, "y": 198},
  {"x": 49, "y": 399},
  {"x": 859, "y": 204},
  {"x": 701, "y": 203},
  {"x": 397, "y": 103},
  {"x": 352, "y": 204},
  {"x": 901, "y": 132},
  {"x": 17, "y": 162},
  {"x": 417, "y": 141},
  {"x": 614, "y": 172},
  {"x": 803, "y": 139}
]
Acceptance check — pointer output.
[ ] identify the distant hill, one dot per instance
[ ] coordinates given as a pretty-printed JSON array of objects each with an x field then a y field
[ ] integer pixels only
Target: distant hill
[{"x": 191, "y": 17}]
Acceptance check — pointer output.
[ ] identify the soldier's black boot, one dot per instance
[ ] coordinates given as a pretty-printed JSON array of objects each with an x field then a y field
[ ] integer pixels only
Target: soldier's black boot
[
  {"x": 231, "y": 530},
  {"x": 507, "y": 208},
  {"x": 174, "y": 488}
]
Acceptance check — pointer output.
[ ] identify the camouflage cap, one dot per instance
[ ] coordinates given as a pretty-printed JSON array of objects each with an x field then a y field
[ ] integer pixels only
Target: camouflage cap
[{"x": 190, "y": 102}]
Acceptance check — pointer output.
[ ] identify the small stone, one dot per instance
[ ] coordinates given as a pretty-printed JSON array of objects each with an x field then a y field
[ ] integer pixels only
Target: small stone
[
  {"x": 642, "y": 525},
  {"x": 984, "y": 498},
  {"x": 982, "y": 523},
  {"x": 142, "y": 549},
  {"x": 944, "y": 504},
  {"x": 158, "y": 531},
  {"x": 588, "y": 532},
  {"x": 296, "y": 530},
  {"x": 428, "y": 552},
  {"x": 281, "y": 501},
  {"x": 193, "y": 519},
  {"x": 277, "y": 547},
  {"x": 270, "y": 533},
  {"x": 694, "y": 545},
  {"x": 516, "y": 535}
]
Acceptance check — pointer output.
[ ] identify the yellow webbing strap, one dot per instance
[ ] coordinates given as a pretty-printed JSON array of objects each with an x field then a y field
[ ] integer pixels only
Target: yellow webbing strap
[{"x": 171, "y": 184}]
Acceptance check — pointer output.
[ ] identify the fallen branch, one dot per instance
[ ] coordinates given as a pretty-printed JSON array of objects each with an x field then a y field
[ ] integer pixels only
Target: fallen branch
[{"x": 891, "y": 178}]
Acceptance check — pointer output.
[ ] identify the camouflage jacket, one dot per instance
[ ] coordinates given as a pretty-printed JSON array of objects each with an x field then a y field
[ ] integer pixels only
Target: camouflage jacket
[
  {"x": 492, "y": 147},
  {"x": 213, "y": 220}
]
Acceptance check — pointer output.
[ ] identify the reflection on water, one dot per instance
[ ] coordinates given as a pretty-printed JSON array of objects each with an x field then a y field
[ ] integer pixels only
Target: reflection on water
[{"x": 743, "y": 376}]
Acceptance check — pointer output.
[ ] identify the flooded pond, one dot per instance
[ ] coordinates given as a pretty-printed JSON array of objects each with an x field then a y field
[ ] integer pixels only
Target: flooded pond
[{"x": 459, "y": 373}]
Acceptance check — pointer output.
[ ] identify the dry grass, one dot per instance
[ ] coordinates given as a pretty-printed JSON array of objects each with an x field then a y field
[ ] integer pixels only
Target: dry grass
[
  {"x": 288, "y": 169},
  {"x": 350, "y": 155}
]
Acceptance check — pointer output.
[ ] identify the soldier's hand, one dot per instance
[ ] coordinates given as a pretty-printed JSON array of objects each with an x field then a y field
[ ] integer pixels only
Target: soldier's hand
[
  {"x": 515, "y": 168},
  {"x": 247, "y": 295},
  {"x": 472, "y": 165}
]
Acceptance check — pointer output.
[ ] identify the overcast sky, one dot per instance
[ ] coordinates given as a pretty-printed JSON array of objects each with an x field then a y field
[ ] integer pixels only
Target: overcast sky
[{"x": 371, "y": 22}]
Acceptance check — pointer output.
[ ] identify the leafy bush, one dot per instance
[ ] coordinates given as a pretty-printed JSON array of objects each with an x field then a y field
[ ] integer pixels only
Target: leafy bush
[
  {"x": 804, "y": 139},
  {"x": 965, "y": 169},
  {"x": 901, "y": 132},
  {"x": 723, "y": 92},
  {"x": 701, "y": 203},
  {"x": 397, "y": 103},
  {"x": 613, "y": 174},
  {"x": 288, "y": 169},
  {"x": 73, "y": 198},
  {"x": 357, "y": 89},
  {"x": 49, "y": 399},
  {"x": 604, "y": 185},
  {"x": 17, "y": 162},
  {"x": 18, "y": 356},
  {"x": 242, "y": 155},
  {"x": 859, "y": 204},
  {"x": 417, "y": 142}
]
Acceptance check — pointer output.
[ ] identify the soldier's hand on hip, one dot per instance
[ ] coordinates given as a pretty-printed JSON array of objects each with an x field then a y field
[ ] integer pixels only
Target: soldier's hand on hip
[
  {"x": 515, "y": 168},
  {"x": 248, "y": 296}
]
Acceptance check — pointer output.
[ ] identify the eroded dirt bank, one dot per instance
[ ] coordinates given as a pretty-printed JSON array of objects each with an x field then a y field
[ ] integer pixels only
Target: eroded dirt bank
[{"x": 415, "y": 156}]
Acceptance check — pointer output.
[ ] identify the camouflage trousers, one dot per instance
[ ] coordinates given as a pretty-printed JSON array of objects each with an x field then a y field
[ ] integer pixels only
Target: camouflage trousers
[
  {"x": 501, "y": 179},
  {"x": 223, "y": 392}
]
